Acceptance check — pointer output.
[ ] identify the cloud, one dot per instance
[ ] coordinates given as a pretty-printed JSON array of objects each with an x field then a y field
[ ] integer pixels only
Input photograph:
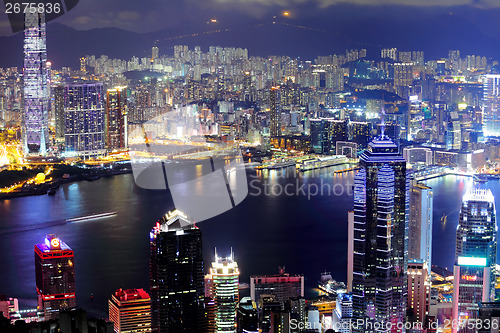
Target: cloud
[{"x": 129, "y": 15}]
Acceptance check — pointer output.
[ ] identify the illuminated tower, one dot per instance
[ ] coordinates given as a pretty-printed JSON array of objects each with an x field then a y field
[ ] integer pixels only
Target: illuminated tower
[
  {"x": 275, "y": 112},
  {"x": 176, "y": 275},
  {"x": 35, "y": 93},
  {"x": 55, "y": 276},
  {"x": 491, "y": 105},
  {"x": 475, "y": 255},
  {"x": 116, "y": 113},
  {"x": 225, "y": 280},
  {"x": 381, "y": 202},
  {"x": 84, "y": 118},
  {"x": 420, "y": 223}
]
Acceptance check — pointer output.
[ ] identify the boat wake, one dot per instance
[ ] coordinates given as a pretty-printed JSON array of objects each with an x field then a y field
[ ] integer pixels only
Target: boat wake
[{"x": 44, "y": 225}]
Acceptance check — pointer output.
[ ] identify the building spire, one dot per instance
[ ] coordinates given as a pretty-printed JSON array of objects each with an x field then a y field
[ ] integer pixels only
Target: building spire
[{"x": 382, "y": 119}]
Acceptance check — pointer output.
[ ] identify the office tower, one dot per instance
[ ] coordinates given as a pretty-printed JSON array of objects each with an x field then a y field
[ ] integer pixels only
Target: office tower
[
  {"x": 275, "y": 112},
  {"x": 176, "y": 275},
  {"x": 342, "y": 315},
  {"x": 403, "y": 78},
  {"x": 59, "y": 110},
  {"x": 82, "y": 64},
  {"x": 420, "y": 226},
  {"x": 130, "y": 311},
  {"x": 491, "y": 105},
  {"x": 419, "y": 289},
  {"x": 225, "y": 281},
  {"x": 280, "y": 321},
  {"x": 350, "y": 249},
  {"x": 475, "y": 255},
  {"x": 360, "y": 133},
  {"x": 35, "y": 92},
  {"x": 116, "y": 116},
  {"x": 283, "y": 286},
  {"x": 8, "y": 306},
  {"x": 84, "y": 119},
  {"x": 247, "y": 317},
  {"x": 453, "y": 132},
  {"x": 267, "y": 305},
  {"x": 55, "y": 276},
  {"x": 381, "y": 200}
]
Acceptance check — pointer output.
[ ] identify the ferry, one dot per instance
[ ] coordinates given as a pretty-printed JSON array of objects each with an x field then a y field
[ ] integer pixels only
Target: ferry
[
  {"x": 321, "y": 162},
  {"x": 331, "y": 287},
  {"x": 271, "y": 165},
  {"x": 91, "y": 217}
]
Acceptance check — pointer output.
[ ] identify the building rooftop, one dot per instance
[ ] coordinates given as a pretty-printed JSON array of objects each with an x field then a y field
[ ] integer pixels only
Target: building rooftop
[{"x": 131, "y": 294}]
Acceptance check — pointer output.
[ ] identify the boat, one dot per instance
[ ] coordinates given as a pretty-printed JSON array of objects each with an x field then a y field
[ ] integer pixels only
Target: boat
[
  {"x": 321, "y": 162},
  {"x": 329, "y": 286},
  {"x": 51, "y": 191},
  {"x": 479, "y": 178},
  {"x": 272, "y": 165}
]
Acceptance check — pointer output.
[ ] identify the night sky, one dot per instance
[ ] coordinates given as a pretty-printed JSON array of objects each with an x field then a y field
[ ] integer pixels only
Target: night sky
[{"x": 178, "y": 15}]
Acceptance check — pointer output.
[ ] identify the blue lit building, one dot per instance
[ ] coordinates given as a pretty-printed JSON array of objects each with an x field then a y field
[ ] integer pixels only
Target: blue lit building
[
  {"x": 475, "y": 255},
  {"x": 35, "y": 88},
  {"x": 381, "y": 204},
  {"x": 84, "y": 119}
]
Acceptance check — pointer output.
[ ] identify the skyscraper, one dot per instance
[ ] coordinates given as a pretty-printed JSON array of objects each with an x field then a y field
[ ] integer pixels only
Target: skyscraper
[
  {"x": 342, "y": 314},
  {"x": 275, "y": 112},
  {"x": 381, "y": 201},
  {"x": 403, "y": 78},
  {"x": 35, "y": 92},
  {"x": 116, "y": 114},
  {"x": 420, "y": 228},
  {"x": 475, "y": 255},
  {"x": 59, "y": 110},
  {"x": 491, "y": 105},
  {"x": 84, "y": 118},
  {"x": 225, "y": 279},
  {"x": 283, "y": 285},
  {"x": 419, "y": 289},
  {"x": 176, "y": 275},
  {"x": 130, "y": 311},
  {"x": 55, "y": 276}
]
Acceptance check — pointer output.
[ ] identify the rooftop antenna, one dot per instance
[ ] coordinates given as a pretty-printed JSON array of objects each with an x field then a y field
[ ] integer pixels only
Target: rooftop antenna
[{"x": 216, "y": 254}]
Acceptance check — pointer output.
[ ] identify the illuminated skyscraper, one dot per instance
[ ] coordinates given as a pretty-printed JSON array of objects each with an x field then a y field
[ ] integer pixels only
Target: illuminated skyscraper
[
  {"x": 59, "y": 110},
  {"x": 247, "y": 316},
  {"x": 55, "y": 276},
  {"x": 491, "y": 105},
  {"x": 275, "y": 112},
  {"x": 35, "y": 94},
  {"x": 84, "y": 118},
  {"x": 176, "y": 275},
  {"x": 130, "y": 311},
  {"x": 116, "y": 116},
  {"x": 381, "y": 201},
  {"x": 403, "y": 78},
  {"x": 225, "y": 281},
  {"x": 475, "y": 255},
  {"x": 420, "y": 228}
]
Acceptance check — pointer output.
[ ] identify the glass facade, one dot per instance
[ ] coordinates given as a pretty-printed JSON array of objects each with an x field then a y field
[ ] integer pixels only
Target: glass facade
[
  {"x": 176, "y": 275},
  {"x": 381, "y": 204}
]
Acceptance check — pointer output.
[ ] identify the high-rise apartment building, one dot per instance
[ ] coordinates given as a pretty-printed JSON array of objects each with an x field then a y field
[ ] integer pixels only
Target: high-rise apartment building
[
  {"x": 130, "y": 311},
  {"x": 275, "y": 112},
  {"x": 176, "y": 275},
  {"x": 116, "y": 118},
  {"x": 55, "y": 276},
  {"x": 381, "y": 202}
]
